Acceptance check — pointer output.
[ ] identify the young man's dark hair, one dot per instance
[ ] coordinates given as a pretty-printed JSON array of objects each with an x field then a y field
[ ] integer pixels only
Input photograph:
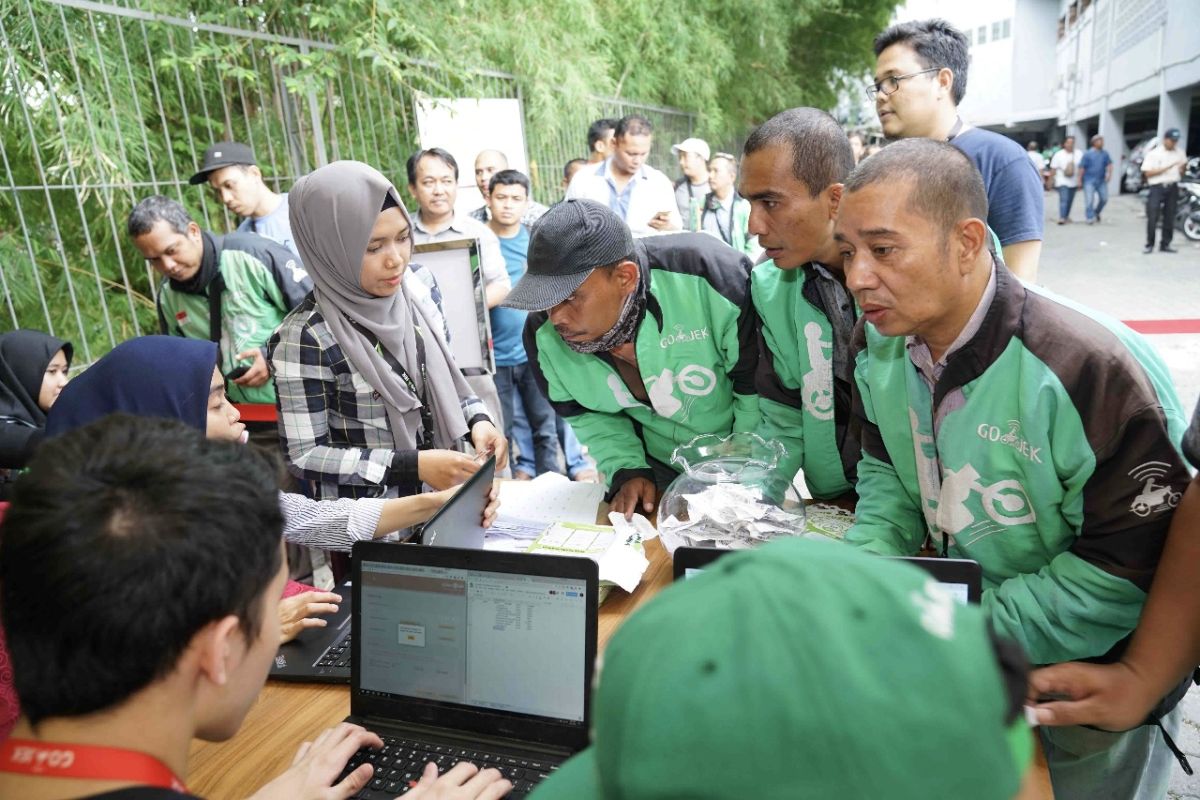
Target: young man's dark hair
[
  {"x": 509, "y": 177},
  {"x": 433, "y": 152},
  {"x": 125, "y": 538},
  {"x": 946, "y": 187},
  {"x": 634, "y": 125},
  {"x": 937, "y": 43},
  {"x": 573, "y": 162},
  {"x": 821, "y": 153},
  {"x": 597, "y": 131},
  {"x": 155, "y": 209}
]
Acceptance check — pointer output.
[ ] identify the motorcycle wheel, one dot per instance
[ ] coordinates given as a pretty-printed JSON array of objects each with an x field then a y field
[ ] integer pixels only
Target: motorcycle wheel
[{"x": 1191, "y": 226}]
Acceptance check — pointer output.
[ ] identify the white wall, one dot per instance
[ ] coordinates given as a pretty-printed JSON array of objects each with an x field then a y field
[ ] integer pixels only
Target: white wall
[{"x": 990, "y": 85}]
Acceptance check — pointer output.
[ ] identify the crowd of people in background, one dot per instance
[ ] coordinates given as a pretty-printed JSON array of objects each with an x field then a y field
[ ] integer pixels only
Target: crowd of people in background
[{"x": 870, "y": 307}]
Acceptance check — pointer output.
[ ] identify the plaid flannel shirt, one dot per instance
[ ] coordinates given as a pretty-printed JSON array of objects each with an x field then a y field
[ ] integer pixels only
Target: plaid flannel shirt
[{"x": 333, "y": 425}]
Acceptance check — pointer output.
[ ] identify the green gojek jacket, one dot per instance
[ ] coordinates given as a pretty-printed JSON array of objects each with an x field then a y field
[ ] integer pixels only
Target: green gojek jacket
[
  {"x": 802, "y": 406},
  {"x": 696, "y": 354},
  {"x": 263, "y": 282},
  {"x": 1058, "y": 468}
]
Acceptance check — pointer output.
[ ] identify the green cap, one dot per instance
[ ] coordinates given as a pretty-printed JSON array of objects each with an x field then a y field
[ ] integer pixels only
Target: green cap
[{"x": 802, "y": 669}]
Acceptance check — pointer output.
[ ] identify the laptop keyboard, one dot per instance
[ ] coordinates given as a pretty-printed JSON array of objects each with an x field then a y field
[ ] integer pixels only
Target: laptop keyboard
[
  {"x": 337, "y": 655},
  {"x": 398, "y": 766}
]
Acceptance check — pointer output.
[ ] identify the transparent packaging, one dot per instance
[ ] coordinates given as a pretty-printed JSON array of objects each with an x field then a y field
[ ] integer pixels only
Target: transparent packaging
[{"x": 730, "y": 494}]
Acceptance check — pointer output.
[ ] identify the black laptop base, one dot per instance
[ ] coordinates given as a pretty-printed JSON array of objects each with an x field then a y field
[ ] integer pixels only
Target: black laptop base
[
  {"x": 406, "y": 752},
  {"x": 319, "y": 655}
]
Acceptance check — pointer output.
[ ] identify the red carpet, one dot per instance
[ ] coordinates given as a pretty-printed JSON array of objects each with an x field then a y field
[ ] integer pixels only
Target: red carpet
[{"x": 1164, "y": 325}]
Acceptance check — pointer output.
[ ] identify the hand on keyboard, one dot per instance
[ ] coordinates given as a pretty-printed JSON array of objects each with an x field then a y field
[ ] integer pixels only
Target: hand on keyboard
[
  {"x": 319, "y": 763},
  {"x": 463, "y": 781}
]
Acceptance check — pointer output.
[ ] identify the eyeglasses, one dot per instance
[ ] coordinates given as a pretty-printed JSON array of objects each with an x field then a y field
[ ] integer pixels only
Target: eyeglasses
[{"x": 891, "y": 84}]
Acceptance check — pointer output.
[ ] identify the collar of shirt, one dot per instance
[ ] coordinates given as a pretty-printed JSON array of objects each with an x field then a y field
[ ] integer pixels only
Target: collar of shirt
[
  {"x": 419, "y": 224},
  {"x": 725, "y": 204},
  {"x": 607, "y": 173},
  {"x": 919, "y": 352}
]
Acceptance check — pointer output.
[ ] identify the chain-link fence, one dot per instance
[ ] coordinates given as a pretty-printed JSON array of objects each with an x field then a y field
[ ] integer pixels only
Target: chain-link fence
[{"x": 104, "y": 103}]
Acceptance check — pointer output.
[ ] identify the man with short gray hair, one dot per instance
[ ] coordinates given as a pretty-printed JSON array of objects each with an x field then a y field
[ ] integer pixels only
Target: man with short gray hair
[
  {"x": 1015, "y": 429},
  {"x": 233, "y": 290}
]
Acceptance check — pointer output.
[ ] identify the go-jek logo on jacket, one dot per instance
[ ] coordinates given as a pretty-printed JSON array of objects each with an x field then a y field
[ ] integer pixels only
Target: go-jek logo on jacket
[
  {"x": 1012, "y": 438},
  {"x": 1004, "y": 504},
  {"x": 682, "y": 334},
  {"x": 691, "y": 381}
]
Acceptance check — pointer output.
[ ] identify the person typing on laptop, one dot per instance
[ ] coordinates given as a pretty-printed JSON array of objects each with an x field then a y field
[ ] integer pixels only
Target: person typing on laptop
[{"x": 117, "y": 670}]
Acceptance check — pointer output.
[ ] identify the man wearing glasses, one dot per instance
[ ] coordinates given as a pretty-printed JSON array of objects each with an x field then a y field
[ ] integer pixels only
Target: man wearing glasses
[{"x": 920, "y": 78}]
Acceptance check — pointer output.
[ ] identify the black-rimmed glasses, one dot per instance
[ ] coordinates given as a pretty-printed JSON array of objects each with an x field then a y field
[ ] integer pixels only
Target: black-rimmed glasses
[{"x": 891, "y": 83}]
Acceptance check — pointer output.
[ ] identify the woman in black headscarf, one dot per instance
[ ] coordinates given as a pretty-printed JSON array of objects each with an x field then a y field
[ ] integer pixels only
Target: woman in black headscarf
[{"x": 33, "y": 370}]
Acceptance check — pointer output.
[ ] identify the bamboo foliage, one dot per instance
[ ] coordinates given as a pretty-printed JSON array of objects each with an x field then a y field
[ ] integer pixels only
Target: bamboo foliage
[{"x": 99, "y": 108}]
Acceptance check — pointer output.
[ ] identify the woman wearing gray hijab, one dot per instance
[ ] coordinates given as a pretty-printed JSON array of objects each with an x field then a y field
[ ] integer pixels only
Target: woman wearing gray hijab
[{"x": 371, "y": 403}]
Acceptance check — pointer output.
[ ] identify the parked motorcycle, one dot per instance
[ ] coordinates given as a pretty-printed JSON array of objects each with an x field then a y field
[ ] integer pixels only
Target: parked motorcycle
[{"x": 1187, "y": 209}]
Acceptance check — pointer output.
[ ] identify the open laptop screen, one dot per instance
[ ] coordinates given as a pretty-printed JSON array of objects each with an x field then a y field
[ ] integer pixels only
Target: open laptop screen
[{"x": 490, "y": 641}]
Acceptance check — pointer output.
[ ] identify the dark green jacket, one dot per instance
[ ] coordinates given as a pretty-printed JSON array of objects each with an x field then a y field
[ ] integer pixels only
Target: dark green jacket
[
  {"x": 263, "y": 282},
  {"x": 696, "y": 353}
]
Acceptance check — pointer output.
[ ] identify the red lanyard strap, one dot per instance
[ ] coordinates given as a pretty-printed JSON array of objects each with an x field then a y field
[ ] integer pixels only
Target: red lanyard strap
[{"x": 81, "y": 761}]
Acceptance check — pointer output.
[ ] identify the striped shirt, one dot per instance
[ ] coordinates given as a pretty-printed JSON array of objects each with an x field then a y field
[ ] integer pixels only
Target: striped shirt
[{"x": 329, "y": 524}]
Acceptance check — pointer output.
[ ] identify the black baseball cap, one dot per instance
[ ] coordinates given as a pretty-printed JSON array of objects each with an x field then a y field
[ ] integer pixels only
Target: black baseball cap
[
  {"x": 1172, "y": 133},
  {"x": 223, "y": 154},
  {"x": 566, "y": 245}
]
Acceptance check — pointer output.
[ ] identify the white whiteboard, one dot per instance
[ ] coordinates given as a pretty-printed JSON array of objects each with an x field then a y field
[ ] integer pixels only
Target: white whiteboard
[{"x": 465, "y": 126}]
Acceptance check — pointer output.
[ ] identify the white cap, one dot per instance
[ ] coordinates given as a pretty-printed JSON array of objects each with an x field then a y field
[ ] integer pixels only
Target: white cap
[{"x": 697, "y": 146}]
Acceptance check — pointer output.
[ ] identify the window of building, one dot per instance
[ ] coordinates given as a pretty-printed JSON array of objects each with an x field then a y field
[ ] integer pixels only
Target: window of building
[
  {"x": 1062, "y": 28},
  {"x": 1006, "y": 29},
  {"x": 995, "y": 31},
  {"x": 969, "y": 33},
  {"x": 982, "y": 38}
]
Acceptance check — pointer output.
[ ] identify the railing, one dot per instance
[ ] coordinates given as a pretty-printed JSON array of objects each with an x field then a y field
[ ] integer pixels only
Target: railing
[{"x": 102, "y": 104}]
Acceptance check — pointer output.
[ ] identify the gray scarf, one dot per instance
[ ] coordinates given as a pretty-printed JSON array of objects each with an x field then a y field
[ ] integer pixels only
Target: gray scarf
[
  {"x": 623, "y": 330},
  {"x": 332, "y": 211}
]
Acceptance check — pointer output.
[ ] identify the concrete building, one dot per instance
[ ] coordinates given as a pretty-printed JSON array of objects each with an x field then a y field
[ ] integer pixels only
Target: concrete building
[{"x": 1126, "y": 69}]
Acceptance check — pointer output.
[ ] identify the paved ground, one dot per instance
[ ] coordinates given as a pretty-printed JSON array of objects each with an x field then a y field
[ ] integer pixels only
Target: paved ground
[{"x": 1103, "y": 267}]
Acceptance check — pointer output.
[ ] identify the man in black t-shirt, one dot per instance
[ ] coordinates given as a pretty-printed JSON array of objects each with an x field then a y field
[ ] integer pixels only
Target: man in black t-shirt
[{"x": 920, "y": 78}]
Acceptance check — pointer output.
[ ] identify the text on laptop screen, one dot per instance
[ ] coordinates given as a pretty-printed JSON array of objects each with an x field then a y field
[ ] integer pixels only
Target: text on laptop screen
[{"x": 491, "y": 640}]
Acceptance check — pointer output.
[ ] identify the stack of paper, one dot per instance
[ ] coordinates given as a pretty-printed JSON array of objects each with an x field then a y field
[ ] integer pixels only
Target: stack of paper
[
  {"x": 621, "y": 561},
  {"x": 528, "y": 508}
]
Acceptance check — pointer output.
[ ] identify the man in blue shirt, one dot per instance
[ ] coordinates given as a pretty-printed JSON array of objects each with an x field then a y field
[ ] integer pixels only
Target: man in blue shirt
[
  {"x": 231, "y": 170},
  {"x": 508, "y": 200},
  {"x": 1095, "y": 168},
  {"x": 920, "y": 78}
]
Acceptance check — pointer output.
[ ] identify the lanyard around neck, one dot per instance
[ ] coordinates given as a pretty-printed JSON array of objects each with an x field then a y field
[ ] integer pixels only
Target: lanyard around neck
[
  {"x": 714, "y": 205},
  {"x": 86, "y": 762}
]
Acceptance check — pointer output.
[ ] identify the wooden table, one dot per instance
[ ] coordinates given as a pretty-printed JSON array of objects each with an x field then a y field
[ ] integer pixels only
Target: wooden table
[{"x": 287, "y": 714}]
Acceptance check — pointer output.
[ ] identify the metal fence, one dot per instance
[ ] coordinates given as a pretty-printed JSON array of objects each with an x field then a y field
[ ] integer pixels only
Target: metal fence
[{"x": 102, "y": 104}]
